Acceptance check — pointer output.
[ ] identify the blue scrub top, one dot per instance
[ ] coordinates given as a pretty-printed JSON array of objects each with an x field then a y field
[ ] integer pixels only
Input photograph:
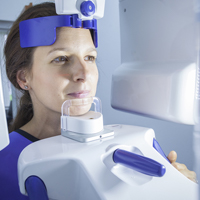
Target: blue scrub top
[{"x": 9, "y": 188}]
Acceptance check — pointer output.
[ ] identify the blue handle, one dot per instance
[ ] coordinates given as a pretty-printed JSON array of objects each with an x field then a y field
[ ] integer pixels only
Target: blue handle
[
  {"x": 139, "y": 163},
  {"x": 36, "y": 188}
]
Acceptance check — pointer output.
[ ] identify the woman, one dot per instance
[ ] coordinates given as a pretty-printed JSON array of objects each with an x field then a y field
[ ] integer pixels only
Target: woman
[{"x": 47, "y": 76}]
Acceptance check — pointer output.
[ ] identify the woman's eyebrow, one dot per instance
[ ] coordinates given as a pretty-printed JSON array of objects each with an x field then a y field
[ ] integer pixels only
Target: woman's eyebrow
[
  {"x": 91, "y": 49},
  {"x": 58, "y": 49},
  {"x": 66, "y": 49}
]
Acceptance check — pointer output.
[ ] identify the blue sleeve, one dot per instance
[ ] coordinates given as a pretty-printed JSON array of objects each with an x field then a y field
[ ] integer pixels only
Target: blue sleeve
[{"x": 9, "y": 189}]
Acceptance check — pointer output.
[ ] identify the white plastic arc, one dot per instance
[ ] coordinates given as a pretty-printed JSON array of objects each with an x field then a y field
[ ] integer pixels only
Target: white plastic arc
[{"x": 65, "y": 109}]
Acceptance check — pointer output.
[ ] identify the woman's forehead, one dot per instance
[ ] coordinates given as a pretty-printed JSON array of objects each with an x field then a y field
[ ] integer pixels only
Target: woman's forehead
[
  {"x": 73, "y": 34},
  {"x": 70, "y": 39},
  {"x": 73, "y": 38}
]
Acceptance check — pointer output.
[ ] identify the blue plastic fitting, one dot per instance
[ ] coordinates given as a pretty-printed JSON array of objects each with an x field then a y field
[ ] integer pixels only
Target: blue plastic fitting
[
  {"x": 42, "y": 31},
  {"x": 36, "y": 188},
  {"x": 139, "y": 163},
  {"x": 159, "y": 149},
  {"x": 87, "y": 8}
]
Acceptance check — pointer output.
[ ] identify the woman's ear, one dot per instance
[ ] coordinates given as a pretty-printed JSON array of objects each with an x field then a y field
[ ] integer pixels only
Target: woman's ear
[{"x": 22, "y": 79}]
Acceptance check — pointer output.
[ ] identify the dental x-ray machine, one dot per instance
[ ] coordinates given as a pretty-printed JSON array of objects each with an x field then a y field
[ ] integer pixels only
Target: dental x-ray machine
[{"x": 92, "y": 161}]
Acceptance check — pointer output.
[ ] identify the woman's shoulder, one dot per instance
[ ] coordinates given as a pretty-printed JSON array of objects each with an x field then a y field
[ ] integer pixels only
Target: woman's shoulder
[
  {"x": 19, "y": 138},
  {"x": 17, "y": 143},
  {"x": 8, "y": 166}
]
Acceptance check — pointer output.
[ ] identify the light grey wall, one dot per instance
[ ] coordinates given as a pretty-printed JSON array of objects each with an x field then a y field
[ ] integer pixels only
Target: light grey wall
[
  {"x": 171, "y": 136},
  {"x": 10, "y": 9}
]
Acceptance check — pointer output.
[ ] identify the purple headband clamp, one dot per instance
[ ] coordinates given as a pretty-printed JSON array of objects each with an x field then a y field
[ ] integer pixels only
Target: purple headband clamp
[{"x": 42, "y": 31}]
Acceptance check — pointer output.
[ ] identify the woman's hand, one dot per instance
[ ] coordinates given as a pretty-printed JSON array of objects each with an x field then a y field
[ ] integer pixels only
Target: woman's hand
[{"x": 181, "y": 167}]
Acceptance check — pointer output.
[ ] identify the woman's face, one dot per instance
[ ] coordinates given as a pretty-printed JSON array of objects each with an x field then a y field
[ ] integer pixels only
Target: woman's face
[{"x": 65, "y": 70}]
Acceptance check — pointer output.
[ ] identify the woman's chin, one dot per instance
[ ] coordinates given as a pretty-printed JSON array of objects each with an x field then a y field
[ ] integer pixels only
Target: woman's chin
[{"x": 79, "y": 110}]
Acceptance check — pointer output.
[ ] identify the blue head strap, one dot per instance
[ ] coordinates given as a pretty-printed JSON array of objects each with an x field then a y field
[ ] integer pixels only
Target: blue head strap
[{"x": 42, "y": 31}]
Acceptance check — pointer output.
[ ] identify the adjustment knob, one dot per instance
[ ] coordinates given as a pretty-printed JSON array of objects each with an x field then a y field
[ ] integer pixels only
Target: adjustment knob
[{"x": 87, "y": 8}]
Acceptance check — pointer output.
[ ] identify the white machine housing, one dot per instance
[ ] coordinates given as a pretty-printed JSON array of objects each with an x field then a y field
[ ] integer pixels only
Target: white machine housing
[
  {"x": 160, "y": 90},
  {"x": 69, "y": 7},
  {"x": 82, "y": 171},
  {"x": 158, "y": 71},
  {"x": 4, "y": 139}
]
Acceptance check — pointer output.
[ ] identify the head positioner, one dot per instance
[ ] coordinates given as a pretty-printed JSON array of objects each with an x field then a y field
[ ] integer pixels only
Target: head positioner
[
  {"x": 71, "y": 13},
  {"x": 42, "y": 31}
]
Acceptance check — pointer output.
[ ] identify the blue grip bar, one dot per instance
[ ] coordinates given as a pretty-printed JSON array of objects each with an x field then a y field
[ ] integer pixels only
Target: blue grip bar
[
  {"x": 35, "y": 188},
  {"x": 139, "y": 163}
]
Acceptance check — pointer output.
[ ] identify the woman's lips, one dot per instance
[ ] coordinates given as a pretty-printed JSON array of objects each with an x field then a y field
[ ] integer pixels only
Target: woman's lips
[{"x": 81, "y": 94}]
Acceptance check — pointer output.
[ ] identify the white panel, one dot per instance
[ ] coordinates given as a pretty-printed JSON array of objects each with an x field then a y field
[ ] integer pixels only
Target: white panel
[
  {"x": 4, "y": 141},
  {"x": 160, "y": 90},
  {"x": 4, "y": 96},
  {"x": 84, "y": 171},
  {"x": 157, "y": 30},
  {"x": 162, "y": 34}
]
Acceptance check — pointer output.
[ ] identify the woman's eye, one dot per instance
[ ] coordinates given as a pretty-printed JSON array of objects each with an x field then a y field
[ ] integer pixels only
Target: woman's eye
[
  {"x": 60, "y": 59},
  {"x": 90, "y": 58}
]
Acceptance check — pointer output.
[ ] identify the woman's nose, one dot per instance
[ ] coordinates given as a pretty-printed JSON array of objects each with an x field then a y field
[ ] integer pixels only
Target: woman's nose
[{"x": 80, "y": 71}]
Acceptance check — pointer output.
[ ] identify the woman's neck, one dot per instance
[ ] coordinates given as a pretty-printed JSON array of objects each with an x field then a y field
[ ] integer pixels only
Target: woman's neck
[{"x": 43, "y": 126}]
